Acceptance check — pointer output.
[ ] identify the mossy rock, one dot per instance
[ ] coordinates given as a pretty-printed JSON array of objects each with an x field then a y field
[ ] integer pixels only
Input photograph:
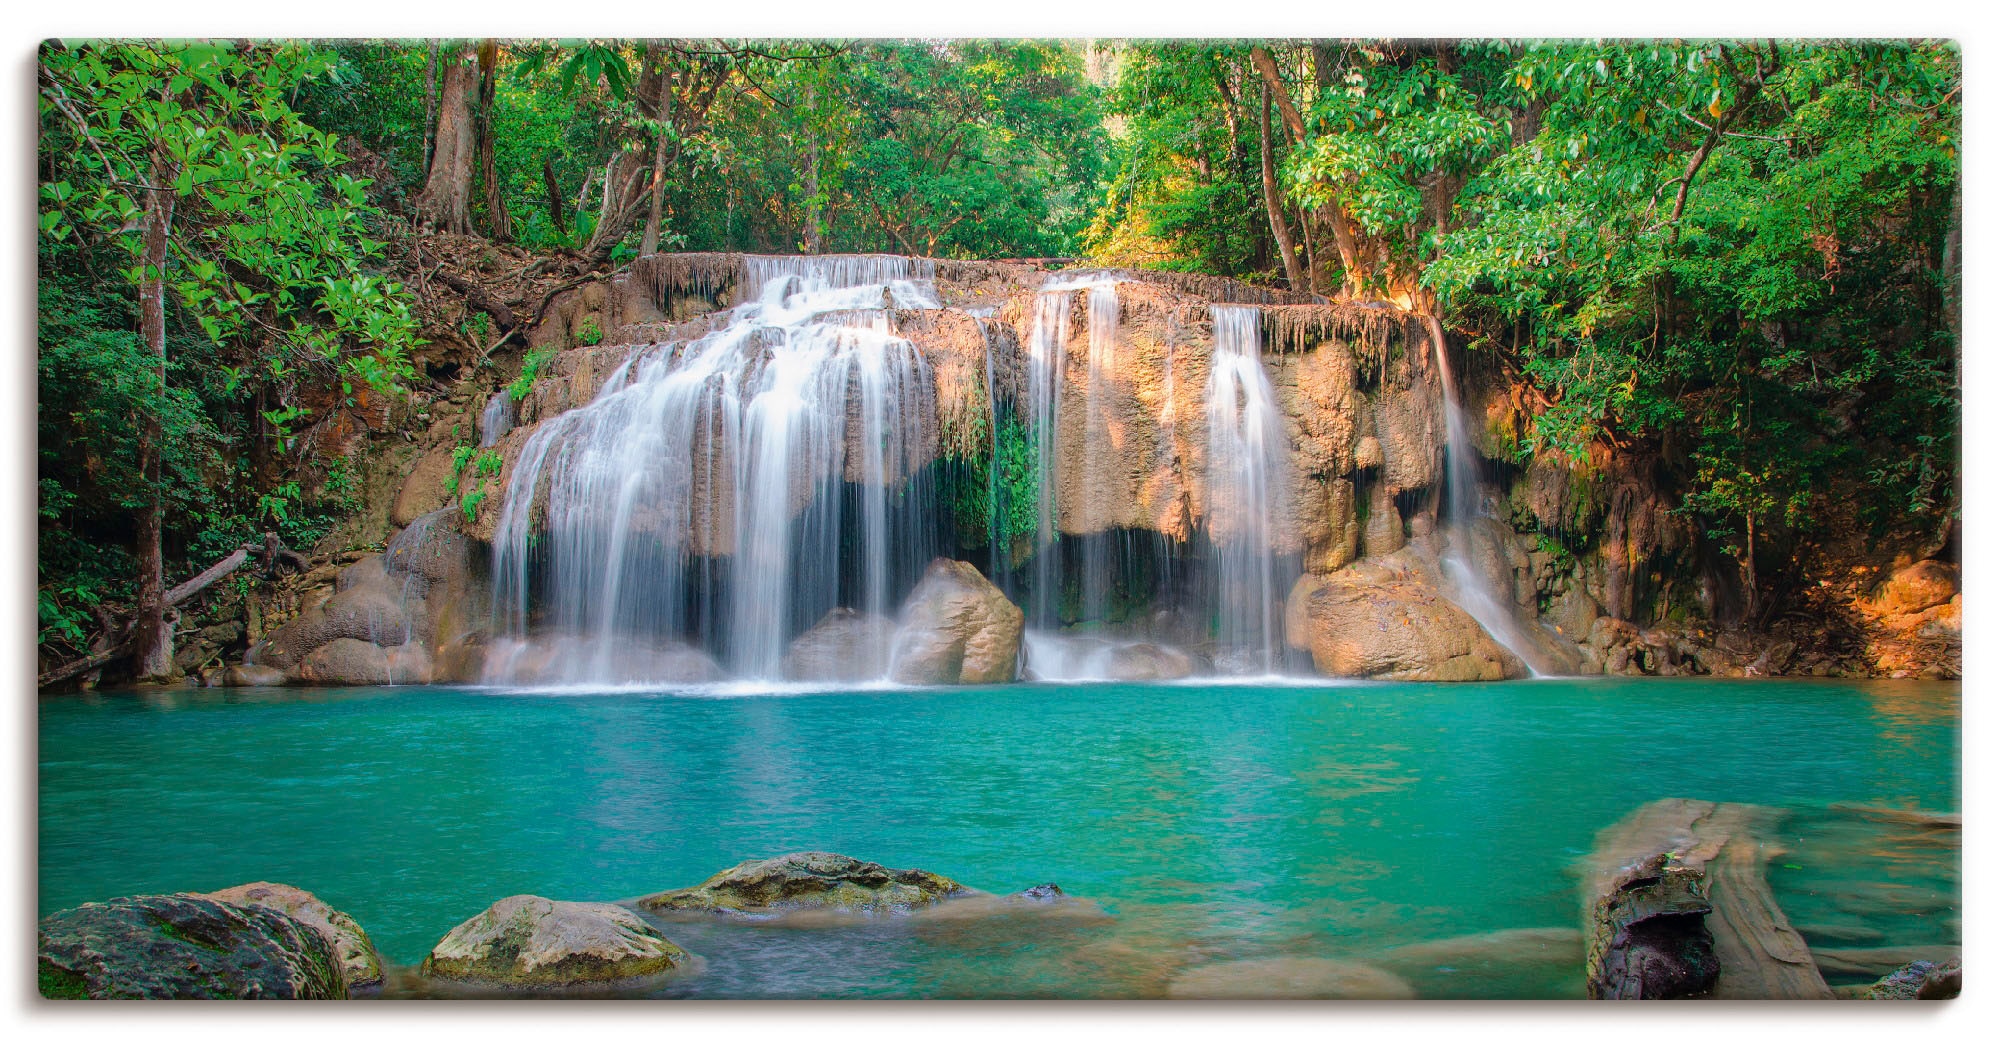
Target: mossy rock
[
  {"x": 806, "y": 881},
  {"x": 530, "y": 942},
  {"x": 360, "y": 963},
  {"x": 183, "y": 946}
]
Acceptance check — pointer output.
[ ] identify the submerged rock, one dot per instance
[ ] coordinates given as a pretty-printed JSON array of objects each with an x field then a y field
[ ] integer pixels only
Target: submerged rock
[
  {"x": 809, "y": 880},
  {"x": 251, "y": 675},
  {"x": 957, "y": 629},
  {"x": 1380, "y": 625},
  {"x": 846, "y": 645},
  {"x": 183, "y": 946},
  {"x": 532, "y": 942},
  {"x": 1290, "y": 978},
  {"x": 360, "y": 964},
  {"x": 1920, "y": 980}
]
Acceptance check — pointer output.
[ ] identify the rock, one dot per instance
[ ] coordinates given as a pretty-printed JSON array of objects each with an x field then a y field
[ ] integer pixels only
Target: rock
[
  {"x": 359, "y": 962},
  {"x": 1083, "y": 658},
  {"x": 809, "y": 880},
  {"x": 430, "y": 547},
  {"x": 461, "y": 660},
  {"x": 1290, "y": 978},
  {"x": 957, "y": 629},
  {"x": 183, "y": 946},
  {"x": 368, "y": 605},
  {"x": 532, "y": 942},
  {"x": 560, "y": 659},
  {"x": 845, "y": 645},
  {"x": 350, "y": 661},
  {"x": 251, "y": 675},
  {"x": 1373, "y": 624},
  {"x": 1574, "y": 612},
  {"x": 1920, "y": 980},
  {"x": 1914, "y": 589},
  {"x": 423, "y": 490},
  {"x": 1383, "y": 532},
  {"x": 224, "y": 634},
  {"x": 1040, "y": 892}
]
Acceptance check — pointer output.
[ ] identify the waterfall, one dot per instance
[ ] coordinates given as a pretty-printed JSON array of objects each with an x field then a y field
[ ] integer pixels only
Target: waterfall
[
  {"x": 1048, "y": 362},
  {"x": 1246, "y": 483},
  {"x": 1469, "y": 588},
  {"x": 729, "y": 490},
  {"x": 1103, "y": 444},
  {"x": 497, "y": 420}
]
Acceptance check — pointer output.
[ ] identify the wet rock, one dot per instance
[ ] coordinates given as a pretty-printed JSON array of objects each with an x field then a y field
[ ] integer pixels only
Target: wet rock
[
  {"x": 1040, "y": 892},
  {"x": 251, "y": 675},
  {"x": 1290, "y": 978},
  {"x": 183, "y": 946},
  {"x": 1377, "y": 624},
  {"x": 957, "y": 629},
  {"x": 461, "y": 660},
  {"x": 846, "y": 645},
  {"x": 1383, "y": 533},
  {"x": 532, "y": 942},
  {"x": 567, "y": 660},
  {"x": 359, "y": 963},
  {"x": 430, "y": 547},
  {"x": 1920, "y": 980},
  {"x": 350, "y": 661},
  {"x": 809, "y": 880}
]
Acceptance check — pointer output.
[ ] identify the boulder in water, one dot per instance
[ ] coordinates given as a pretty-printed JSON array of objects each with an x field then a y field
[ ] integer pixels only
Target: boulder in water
[
  {"x": 1376, "y": 624},
  {"x": 809, "y": 880},
  {"x": 351, "y": 661},
  {"x": 532, "y": 942},
  {"x": 846, "y": 645},
  {"x": 359, "y": 963},
  {"x": 1922, "y": 979},
  {"x": 251, "y": 675},
  {"x": 183, "y": 946},
  {"x": 957, "y": 629},
  {"x": 368, "y": 605}
]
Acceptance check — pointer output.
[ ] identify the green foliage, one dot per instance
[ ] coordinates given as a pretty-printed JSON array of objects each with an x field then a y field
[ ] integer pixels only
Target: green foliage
[
  {"x": 531, "y": 367},
  {"x": 588, "y": 333}
]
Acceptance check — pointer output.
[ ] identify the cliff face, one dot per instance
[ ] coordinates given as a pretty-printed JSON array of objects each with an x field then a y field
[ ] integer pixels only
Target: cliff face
[{"x": 1589, "y": 556}]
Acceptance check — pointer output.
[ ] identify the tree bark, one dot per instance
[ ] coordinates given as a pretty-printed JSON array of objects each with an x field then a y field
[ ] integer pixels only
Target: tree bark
[
  {"x": 556, "y": 216},
  {"x": 1272, "y": 206},
  {"x": 499, "y": 225},
  {"x": 153, "y": 639},
  {"x": 446, "y": 200},
  {"x": 430, "y": 99}
]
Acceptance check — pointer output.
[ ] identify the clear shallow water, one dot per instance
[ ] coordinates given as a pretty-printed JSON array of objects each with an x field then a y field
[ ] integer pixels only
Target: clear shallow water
[{"x": 1213, "y": 823}]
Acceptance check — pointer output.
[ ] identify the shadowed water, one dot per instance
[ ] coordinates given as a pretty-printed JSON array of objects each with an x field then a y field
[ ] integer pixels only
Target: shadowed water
[{"x": 1285, "y": 837}]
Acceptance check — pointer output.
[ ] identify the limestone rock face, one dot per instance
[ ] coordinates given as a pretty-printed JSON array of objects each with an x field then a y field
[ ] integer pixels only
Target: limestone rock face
[
  {"x": 532, "y": 942},
  {"x": 368, "y": 605},
  {"x": 1374, "y": 623},
  {"x": 845, "y": 645},
  {"x": 351, "y": 661},
  {"x": 183, "y": 946},
  {"x": 957, "y": 629},
  {"x": 559, "y": 659},
  {"x": 809, "y": 880},
  {"x": 360, "y": 964},
  {"x": 423, "y": 490},
  {"x": 251, "y": 675}
]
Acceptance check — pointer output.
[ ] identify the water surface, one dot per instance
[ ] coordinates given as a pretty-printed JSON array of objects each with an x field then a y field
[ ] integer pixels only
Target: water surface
[{"x": 1212, "y": 823}]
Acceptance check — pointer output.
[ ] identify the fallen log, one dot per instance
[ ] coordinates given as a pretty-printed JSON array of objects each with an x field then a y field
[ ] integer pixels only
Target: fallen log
[
  {"x": 1677, "y": 906},
  {"x": 271, "y": 551}
]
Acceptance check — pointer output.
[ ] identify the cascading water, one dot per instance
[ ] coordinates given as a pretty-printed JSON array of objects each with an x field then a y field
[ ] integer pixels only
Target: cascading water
[
  {"x": 1246, "y": 484},
  {"x": 497, "y": 419},
  {"x": 1469, "y": 589},
  {"x": 1048, "y": 362},
  {"x": 728, "y": 490}
]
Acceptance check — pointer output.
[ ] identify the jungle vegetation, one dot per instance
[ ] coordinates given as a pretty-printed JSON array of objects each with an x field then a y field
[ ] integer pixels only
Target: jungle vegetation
[{"x": 1741, "y": 256}]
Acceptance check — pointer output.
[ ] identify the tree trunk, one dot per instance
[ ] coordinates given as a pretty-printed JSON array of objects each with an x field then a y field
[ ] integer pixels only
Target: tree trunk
[
  {"x": 153, "y": 639},
  {"x": 498, "y": 225},
  {"x": 1272, "y": 206},
  {"x": 446, "y": 200},
  {"x": 430, "y": 99},
  {"x": 556, "y": 217},
  {"x": 650, "y": 242}
]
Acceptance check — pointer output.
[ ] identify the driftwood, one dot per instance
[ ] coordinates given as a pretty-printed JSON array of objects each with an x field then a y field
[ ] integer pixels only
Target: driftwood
[
  {"x": 1675, "y": 866},
  {"x": 117, "y": 639}
]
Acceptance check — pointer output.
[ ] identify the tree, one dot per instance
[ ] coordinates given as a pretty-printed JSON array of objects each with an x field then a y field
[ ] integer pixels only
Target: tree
[
  {"x": 184, "y": 162},
  {"x": 446, "y": 200}
]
